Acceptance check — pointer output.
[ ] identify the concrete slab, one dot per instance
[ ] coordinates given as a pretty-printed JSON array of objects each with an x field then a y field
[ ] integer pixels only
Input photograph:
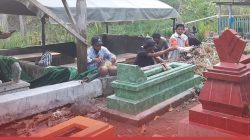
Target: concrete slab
[
  {"x": 106, "y": 85},
  {"x": 11, "y": 87},
  {"x": 26, "y": 103},
  {"x": 150, "y": 113}
]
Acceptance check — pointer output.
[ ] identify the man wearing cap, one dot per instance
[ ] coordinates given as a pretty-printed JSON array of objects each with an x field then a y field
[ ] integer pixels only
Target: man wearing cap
[
  {"x": 99, "y": 57},
  {"x": 147, "y": 56}
]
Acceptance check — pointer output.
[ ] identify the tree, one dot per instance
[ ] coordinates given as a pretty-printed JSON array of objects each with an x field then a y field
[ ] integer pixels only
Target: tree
[
  {"x": 193, "y": 9},
  {"x": 196, "y": 9}
]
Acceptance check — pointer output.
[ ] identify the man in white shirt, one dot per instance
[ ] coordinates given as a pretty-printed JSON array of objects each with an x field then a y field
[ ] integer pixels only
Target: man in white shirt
[{"x": 178, "y": 42}]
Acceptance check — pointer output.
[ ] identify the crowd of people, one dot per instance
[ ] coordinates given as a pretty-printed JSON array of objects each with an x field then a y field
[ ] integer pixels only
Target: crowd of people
[
  {"x": 158, "y": 49},
  {"x": 154, "y": 50}
]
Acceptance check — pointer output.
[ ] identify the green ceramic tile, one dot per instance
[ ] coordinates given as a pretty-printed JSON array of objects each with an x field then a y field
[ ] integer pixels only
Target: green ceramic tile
[{"x": 134, "y": 95}]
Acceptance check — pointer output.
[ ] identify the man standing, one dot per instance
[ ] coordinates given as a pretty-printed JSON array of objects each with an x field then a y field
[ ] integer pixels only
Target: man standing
[
  {"x": 99, "y": 57},
  {"x": 161, "y": 43},
  {"x": 178, "y": 42}
]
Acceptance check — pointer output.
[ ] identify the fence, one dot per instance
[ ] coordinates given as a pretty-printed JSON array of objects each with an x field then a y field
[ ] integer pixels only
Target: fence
[{"x": 239, "y": 23}]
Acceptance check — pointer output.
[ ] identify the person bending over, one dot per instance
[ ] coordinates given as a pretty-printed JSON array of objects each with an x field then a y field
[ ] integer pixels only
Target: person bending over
[{"x": 148, "y": 56}]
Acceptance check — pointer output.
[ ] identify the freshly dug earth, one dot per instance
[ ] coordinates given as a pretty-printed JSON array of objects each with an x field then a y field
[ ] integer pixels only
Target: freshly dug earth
[{"x": 164, "y": 125}]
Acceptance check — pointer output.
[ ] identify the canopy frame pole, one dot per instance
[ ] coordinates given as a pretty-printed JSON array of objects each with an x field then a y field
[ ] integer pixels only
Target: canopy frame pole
[
  {"x": 43, "y": 20},
  {"x": 174, "y": 20},
  {"x": 230, "y": 14},
  {"x": 69, "y": 13},
  {"x": 219, "y": 20},
  {"x": 107, "y": 27}
]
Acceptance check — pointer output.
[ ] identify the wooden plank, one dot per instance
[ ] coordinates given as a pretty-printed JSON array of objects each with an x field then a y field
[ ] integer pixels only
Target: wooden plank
[
  {"x": 43, "y": 21},
  {"x": 245, "y": 3},
  {"x": 127, "y": 58},
  {"x": 59, "y": 21},
  {"x": 32, "y": 55},
  {"x": 69, "y": 13},
  {"x": 81, "y": 23}
]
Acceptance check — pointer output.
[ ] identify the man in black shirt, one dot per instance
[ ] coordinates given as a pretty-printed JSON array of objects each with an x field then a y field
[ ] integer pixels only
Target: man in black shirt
[
  {"x": 192, "y": 40},
  {"x": 147, "y": 56}
]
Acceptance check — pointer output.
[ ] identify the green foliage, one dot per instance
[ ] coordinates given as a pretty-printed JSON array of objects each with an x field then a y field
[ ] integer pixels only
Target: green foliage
[
  {"x": 189, "y": 10},
  {"x": 169, "y": 32},
  {"x": 196, "y": 9},
  {"x": 142, "y": 28},
  {"x": 15, "y": 41},
  {"x": 206, "y": 27},
  {"x": 61, "y": 35},
  {"x": 95, "y": 29}
]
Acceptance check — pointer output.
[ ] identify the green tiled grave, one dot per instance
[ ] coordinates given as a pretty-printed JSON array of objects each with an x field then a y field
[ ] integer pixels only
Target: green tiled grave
[{"x": 137, "y": 90}]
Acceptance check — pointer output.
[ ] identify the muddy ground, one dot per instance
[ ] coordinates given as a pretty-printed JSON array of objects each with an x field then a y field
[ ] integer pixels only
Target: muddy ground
[{"x": 164, "y": 125}]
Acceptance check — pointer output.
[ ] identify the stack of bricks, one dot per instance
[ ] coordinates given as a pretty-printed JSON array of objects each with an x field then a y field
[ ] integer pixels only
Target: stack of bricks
[{"x": 79, "y": 127}]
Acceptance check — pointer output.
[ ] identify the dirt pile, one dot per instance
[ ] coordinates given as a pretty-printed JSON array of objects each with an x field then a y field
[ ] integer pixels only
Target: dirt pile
[
  {"x": 27, "y": 126},
  {"x": 41, "y": 121},
  {"x": 202, "y": 57}
]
